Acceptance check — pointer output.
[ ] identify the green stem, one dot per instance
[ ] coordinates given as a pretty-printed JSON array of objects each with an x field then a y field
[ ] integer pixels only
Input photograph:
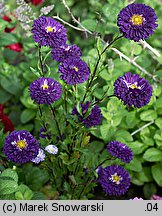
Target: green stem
[
  {"x": 98, "y": 101},
  {"x": 41, "y": 117},
  {"x": 40, "y": 60},
  {"x": 96, "y": 66},
  {"x": 54, "y": 115}
]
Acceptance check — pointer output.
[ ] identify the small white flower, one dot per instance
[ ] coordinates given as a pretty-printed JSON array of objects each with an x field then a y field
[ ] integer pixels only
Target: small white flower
[
  {"x": 52, "y": 149},
  {"x": 40, "y": 157}
]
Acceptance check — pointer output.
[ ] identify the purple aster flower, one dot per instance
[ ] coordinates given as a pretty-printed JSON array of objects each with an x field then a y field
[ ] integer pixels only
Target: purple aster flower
[
  {"x": 45, "y": 90},
  {"x": 136, "y": 198},
  {"x": 137, "y": 21},
  {"x": 48, "y": 32},
  {"x": 93, "y": 119},
  {"x": 114, "y": 180},
  {"x": 74, "y": 71},
  {"x": 60, "y": 53},
  {"x": 20, "y": 147},
  {"x": 120, "y": 150},
  {"x": 51, "y": 149},
  {"x": 133, "y": 90},
  {"x": 40, "y": 157}
]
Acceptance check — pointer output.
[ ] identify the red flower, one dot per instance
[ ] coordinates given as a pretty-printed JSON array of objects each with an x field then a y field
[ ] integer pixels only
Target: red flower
[
  {"x": 17, "y": 47},
  {"x": 8, "y": 126},
  {"x": 37, "y": 2},
  {"x": 8, "y": 19}
]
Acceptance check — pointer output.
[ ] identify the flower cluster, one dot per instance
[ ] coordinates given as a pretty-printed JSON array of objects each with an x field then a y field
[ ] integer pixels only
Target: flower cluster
[
  {"x": 93, "y": 119},
  {"x": 48, "y": 32}
]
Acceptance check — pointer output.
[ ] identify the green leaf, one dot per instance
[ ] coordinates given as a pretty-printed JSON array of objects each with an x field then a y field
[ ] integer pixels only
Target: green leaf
[
  {"x": 149, "y": 189},
  {"x": 38, "y": 196},
  {"x": 159, "y": 103},
  {"x": 99, "y": 45},
  {"x": 10, "y": 84},
  {"x": 131, "y": 119},
  {"x": 24, "y": 193},
  {"x": 7, "y": 185},
  {"x": 33, "y": 176},
  {"x": 159, "y": 73},
  {"x": 157, "y": 173},
  {"x": 158, "y": 122},
  {"x": 137, "y": 147},
  {"x": 10, "y": 173},
  {"x": 148, "y": 115},
  {"x": 96, "y": 146},
  {"x": 4, "y": 96},
  {"x": 123, "y": 134},
  {"x": 26, "y": 100},
  {"x": 3, "y": 24},
  {"x": 134, "y": 165},
  {"x": 27, "y": 115},
  {"x": 7, "y": 38},
  {"x": 153, "y": 155},
  {"x": 89, "y": 24}
]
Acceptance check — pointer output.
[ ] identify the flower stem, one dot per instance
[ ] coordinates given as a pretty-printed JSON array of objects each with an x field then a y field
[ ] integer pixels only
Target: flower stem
[
  {"x": 54, "y": 115},
  {"x": 96, "y": 66},
  {"x": 40, "y": 60},
  {"x": 98, "y": 101},
  {"x": 44, "y": 124}
]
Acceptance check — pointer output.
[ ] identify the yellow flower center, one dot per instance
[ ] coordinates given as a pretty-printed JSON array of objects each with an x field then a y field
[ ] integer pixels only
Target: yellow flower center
[
  {"x": 137, "y": 19},
  {"x": 133, "y": 86},
  {"x": 21, "y": 144},
  {"x": 75, "y": 68},
  {"x": 49, "y": 29},
  {"x": 115, "y": 178},
  {"x": 45, "y": 86}
]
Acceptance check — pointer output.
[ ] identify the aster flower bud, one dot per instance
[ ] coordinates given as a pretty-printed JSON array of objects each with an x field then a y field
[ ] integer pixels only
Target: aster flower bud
[{"x": 120, "y": 150}]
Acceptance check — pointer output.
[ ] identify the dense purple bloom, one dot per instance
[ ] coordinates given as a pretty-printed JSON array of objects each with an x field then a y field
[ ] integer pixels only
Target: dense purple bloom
[
  {"x": 74, "y": 71},
  {"x": 114, "y": 180},
  {"x": 45, "y": 90},
  {"x": 93, "y": 119},
  {"x": 20, "y": 147},
  {"x": 48, "y": 32},
  {"x": 133, "y": 90},
  {"x": 51, "y": 149},
  {"x": 40, "y": 157},
  {"x": 120, "y": 150},
  {"x": 136, "y": 198},
  {"x": 60, "y": 53},
  {"x": 137, "y": 21}
]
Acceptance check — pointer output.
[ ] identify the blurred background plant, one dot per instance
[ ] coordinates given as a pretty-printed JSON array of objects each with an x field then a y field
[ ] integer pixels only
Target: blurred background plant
[{"x": 140, "y": 129}]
